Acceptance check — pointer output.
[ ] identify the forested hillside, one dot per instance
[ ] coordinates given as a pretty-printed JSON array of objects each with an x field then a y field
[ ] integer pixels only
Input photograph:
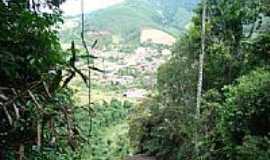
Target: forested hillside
[
  {"x": 88, "y": 88},
  {"x": 126, "y": 20}
]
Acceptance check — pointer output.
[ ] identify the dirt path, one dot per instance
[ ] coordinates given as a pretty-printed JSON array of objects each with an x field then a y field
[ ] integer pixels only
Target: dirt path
[{"x": 141, "y": 157}]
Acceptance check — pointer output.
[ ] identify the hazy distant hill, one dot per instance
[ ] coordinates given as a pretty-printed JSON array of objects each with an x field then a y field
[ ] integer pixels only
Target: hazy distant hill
[{"x": 120, "y": 25}]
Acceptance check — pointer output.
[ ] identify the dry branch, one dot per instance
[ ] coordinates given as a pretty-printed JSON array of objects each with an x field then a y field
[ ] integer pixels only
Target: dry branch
[
  {"x": 3, "y": 97},
  {"x": 17, "y": 112},
  {"x": 47, "y": 89},
  {"x": 14, "y": 91},
  {"x": 34, "y": 99},
  {"x": 11, "y": 101},
  {"x": 10, "y": 120},
  {"x": 38, "y": 135}
]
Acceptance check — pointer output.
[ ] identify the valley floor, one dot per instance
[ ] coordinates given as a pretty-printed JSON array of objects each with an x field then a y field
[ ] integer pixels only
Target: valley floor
[{"x": 129, "y": 79}]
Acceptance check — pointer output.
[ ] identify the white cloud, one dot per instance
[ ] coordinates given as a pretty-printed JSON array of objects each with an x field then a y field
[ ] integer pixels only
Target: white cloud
[{"x": 72, "y": 7}]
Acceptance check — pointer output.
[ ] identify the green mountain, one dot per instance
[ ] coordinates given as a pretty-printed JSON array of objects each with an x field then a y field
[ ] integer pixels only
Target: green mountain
[{"x": 120, "y": 25}]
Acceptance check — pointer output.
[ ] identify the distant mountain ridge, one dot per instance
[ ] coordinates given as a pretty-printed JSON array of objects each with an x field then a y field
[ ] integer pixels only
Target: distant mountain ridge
[{"x": 123, "y": 22}]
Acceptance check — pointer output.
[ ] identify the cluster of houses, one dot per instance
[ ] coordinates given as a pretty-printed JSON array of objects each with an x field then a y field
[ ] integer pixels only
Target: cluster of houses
[{"x": 133, "y": 71}]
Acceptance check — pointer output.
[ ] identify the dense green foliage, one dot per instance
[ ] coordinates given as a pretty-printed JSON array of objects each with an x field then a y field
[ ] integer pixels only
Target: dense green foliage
[
  {"x": 109, "y": 139},
  {"x": 167, "y": 121},
  {"x": 36, "y": 112},
  {"x": 245, "y": 119},
  {"x": 29, "y": 46},
  {"x": 234, "y": 122},
  {"x": 38, "y": 118}
]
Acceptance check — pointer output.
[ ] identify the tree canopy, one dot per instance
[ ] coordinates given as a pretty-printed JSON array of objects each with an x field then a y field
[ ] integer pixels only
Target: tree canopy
[{"x": 235, "y": 108}]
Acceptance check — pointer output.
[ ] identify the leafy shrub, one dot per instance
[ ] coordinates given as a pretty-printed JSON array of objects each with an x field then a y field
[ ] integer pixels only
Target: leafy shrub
[
  {"x": 36, "y": 111},
  {"x": 241, "y": 129},
  {"x": 162, "y": 131},
  {"x": 109, "y": 139}
]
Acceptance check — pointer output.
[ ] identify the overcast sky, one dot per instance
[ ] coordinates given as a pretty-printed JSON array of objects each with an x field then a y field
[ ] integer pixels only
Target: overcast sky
[{"x": 72, "y": 7}]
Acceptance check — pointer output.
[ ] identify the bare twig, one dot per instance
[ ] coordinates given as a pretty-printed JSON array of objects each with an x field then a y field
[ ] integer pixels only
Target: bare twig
[
  {"x": 47, "y": 89},
  {"x": 14, "y": 91},
  {"x": 11, "y": 101},
  {"x": 10, "y": 120},
  {"x": 34, "y": 99},
  {"x": 3, "y": 97},
  {"x": 17, "y": 112},
  {"x": 38, "y": 135},
  {"x": 4, "y": 88}
]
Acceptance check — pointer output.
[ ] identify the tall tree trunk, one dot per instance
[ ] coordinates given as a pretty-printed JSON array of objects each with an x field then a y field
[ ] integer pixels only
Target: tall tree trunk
[{"x": 200, "y": 74}]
